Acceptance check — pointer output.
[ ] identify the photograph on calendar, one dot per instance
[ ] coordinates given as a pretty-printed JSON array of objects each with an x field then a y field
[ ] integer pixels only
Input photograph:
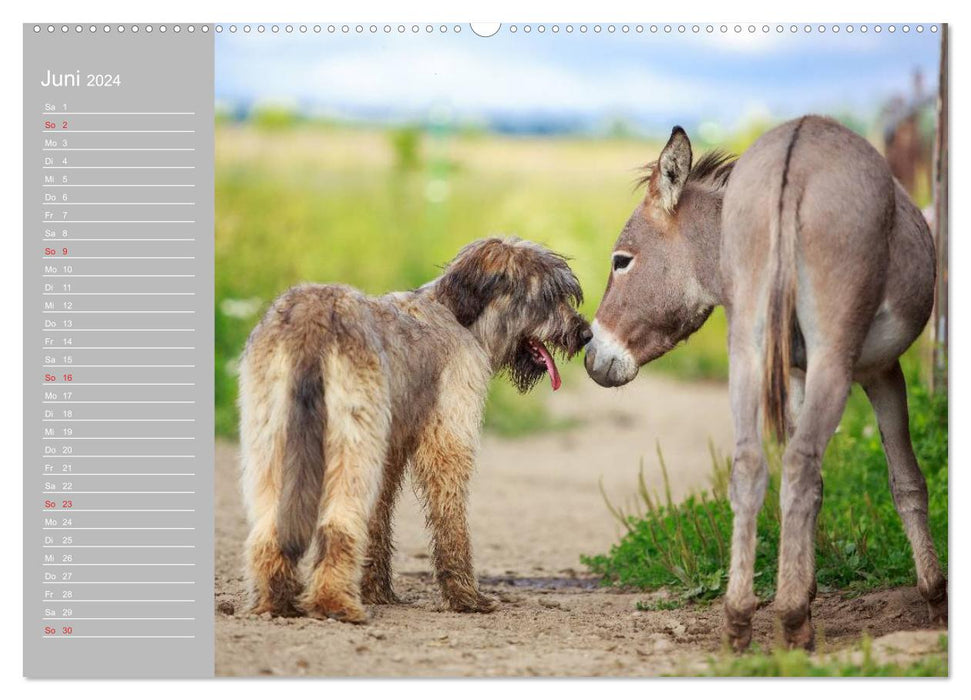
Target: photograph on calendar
[{"x": 534, "y": 350}]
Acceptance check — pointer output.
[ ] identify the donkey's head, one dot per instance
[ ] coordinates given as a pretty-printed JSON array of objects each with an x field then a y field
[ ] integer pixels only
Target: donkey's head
[{"x": 663, "y": 281}]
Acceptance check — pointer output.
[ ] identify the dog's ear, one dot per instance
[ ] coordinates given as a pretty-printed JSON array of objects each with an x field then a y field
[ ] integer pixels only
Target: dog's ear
[
  {"x": 470, "y": 282},
  {"x": 467, "y": 292}
]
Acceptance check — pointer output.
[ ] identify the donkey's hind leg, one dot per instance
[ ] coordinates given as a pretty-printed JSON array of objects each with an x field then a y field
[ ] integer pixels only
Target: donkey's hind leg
[
  {"x": 828, "y": 383},
  {"x": 888, "y": 395},
  {"x": 748, "y": 484}
]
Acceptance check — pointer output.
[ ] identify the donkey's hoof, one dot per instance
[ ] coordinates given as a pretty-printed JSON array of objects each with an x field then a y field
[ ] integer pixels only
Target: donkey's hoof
[
  {"x": 937, "y": 612},
  {"x": 936, "y": 603},
  {"x": 738, "y": 626},
  {"x": 802, "y": 636},
  {"x": 739, "y": 637}
]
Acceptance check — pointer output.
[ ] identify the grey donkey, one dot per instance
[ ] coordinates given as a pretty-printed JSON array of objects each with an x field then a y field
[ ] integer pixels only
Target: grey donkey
[{"x": 826, "y": 271}]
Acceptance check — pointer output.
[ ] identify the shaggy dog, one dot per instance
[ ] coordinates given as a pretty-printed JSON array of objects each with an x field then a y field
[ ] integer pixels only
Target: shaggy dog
[{"x": 340, "y": 392}]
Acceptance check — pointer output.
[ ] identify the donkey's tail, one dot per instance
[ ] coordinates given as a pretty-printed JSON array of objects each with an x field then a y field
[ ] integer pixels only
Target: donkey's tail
[
  {"x": 781, "y": 304},
  {"x": 302, "y": 472}
]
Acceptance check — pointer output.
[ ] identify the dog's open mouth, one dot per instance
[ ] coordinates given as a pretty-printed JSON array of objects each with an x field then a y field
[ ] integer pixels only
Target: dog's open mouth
[{"x": 543, "y": 358}]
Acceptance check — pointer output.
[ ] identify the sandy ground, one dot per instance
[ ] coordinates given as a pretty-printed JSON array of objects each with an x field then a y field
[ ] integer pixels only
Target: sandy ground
[{"x": 535, "y": 508}]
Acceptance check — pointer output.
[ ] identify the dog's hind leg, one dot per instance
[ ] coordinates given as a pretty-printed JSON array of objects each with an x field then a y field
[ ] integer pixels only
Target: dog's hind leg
[
  {"x": 376, "y": 588},
  {"x": 358, "y": 426},
  {"x": 272, "y": 577}
]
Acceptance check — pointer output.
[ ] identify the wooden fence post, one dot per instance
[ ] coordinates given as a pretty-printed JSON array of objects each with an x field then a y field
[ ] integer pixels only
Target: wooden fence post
[{"x": 939, "y": 328}]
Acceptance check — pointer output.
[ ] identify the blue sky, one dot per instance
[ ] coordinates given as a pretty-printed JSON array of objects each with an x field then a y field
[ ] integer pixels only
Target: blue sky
[{"x": 649, "y": 80}]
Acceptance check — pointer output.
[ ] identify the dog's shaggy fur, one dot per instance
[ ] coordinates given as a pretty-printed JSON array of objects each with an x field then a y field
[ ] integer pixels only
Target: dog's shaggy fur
[{"x": 340, "y": 392}]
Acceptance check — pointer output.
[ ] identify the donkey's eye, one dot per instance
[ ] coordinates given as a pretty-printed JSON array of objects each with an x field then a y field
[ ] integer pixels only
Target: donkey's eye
[{"x": 621, "y": 261}]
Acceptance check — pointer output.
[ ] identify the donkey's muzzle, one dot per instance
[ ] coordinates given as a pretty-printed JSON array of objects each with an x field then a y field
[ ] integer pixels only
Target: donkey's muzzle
[{"x": 607, "y": 361}]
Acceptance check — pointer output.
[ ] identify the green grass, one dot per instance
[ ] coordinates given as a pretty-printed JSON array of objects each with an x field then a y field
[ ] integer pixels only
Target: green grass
[
  {"x": 860, "y": 543},
  {"x": 382, "y": 210},
  {"x": 797, "y": 663}
]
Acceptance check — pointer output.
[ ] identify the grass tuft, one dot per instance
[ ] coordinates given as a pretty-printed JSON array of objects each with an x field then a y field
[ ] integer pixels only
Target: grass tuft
[{"x": 860, "y": 543}]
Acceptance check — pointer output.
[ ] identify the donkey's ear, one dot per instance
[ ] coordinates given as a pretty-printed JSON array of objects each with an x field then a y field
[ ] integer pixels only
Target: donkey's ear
[{"x": 673, "y": 167}]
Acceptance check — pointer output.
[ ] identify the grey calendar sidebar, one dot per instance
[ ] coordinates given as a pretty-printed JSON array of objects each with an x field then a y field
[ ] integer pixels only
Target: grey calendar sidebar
[{"x": 118, "y": 350}]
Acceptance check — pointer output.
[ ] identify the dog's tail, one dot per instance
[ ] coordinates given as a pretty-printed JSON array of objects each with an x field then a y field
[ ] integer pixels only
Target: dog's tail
[{"x": 303, "y": 455}]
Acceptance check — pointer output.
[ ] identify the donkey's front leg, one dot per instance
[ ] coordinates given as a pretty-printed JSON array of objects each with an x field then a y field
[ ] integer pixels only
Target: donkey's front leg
[
  {"x": 827, "y": 386},
  {"x": 888, "y": 394},
  {"x": 748, "y": 483}
]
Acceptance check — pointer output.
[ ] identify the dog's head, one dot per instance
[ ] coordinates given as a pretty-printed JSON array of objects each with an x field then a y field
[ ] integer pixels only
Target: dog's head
[{"x": 520, "y": 300}]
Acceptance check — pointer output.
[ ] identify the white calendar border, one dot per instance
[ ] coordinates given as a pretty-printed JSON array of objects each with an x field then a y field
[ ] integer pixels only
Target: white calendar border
[{"x": 11, "y": 277}]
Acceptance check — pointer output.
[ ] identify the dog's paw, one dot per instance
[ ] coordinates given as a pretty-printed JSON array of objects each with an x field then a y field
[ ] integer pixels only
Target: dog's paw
[
  {"x": 336, "y": 607},
  {"x": 380, "y": 596},
  {"x": 477, "y": 603},
  {"x": 276, "y": 608}
]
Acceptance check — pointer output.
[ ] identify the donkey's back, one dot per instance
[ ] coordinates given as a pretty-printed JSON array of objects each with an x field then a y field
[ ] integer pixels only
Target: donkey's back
[{"x": 825, "y": 251}]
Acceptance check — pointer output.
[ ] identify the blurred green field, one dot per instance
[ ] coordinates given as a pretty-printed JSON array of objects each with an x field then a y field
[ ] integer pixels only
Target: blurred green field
[{"x": 383, "y": 209}]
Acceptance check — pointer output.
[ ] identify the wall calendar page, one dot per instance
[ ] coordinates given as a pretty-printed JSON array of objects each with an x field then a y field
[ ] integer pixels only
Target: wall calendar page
[{"x": 367, "y": 350}]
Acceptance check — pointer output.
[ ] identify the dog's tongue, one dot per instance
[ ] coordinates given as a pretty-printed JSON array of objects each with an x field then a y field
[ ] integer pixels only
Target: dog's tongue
[{"x": 550, "y": 364}]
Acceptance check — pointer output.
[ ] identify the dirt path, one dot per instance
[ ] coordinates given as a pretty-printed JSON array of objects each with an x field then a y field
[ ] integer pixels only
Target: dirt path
[{"x": 535, "y": 508}]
